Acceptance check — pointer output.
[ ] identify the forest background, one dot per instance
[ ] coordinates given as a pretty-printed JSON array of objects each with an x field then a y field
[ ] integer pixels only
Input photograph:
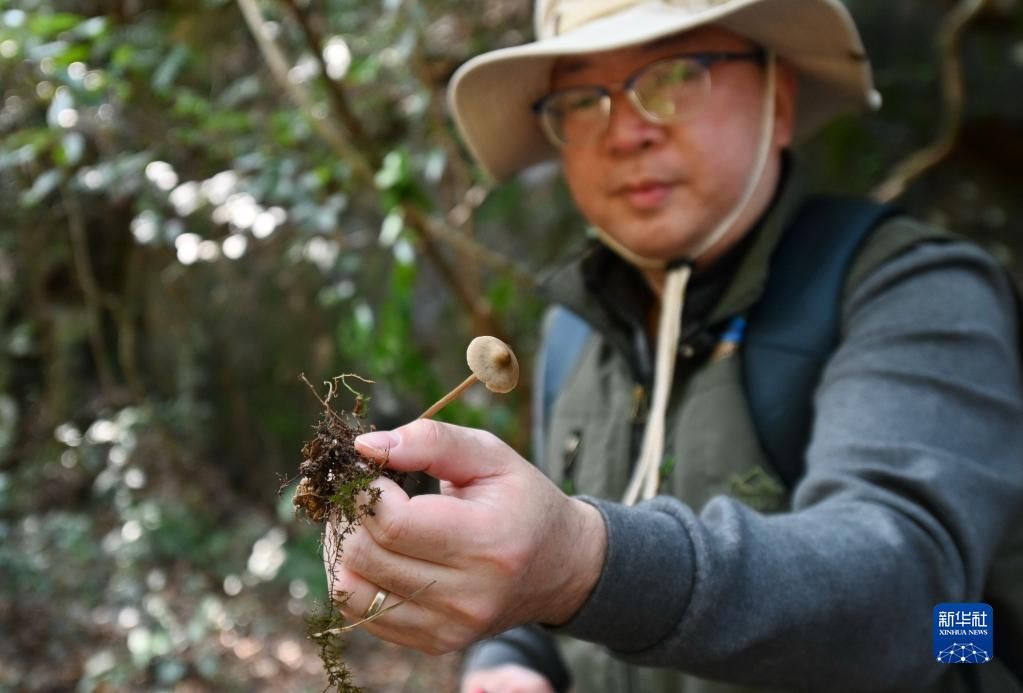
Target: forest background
[{"x": 201, "y": 200}]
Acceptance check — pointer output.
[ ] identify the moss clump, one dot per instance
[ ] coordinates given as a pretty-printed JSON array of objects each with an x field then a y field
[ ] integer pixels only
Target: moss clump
[
  {"x": 331, "y": 648},
  {"x": 335, "y": 485}
]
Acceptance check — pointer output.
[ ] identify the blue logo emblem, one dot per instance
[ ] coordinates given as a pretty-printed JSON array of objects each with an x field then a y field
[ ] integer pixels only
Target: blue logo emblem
[{"x": 964, "y": 633}]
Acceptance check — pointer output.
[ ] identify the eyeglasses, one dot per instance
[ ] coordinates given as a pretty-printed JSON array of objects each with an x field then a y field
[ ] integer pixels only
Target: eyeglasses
[{"x": 665, "y": 91}]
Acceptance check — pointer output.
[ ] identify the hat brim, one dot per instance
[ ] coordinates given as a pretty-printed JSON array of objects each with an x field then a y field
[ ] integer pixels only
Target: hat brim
[{"x": 491, "y": 96}]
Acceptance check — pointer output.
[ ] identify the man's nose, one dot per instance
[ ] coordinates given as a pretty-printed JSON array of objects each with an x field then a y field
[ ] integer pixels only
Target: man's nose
[{"x": 628, "y": 130}]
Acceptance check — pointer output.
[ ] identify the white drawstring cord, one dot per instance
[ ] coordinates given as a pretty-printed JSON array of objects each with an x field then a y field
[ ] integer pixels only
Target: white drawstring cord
[
  {"x": 646, "y": 474},
  {"x": 668, "y": 331}
]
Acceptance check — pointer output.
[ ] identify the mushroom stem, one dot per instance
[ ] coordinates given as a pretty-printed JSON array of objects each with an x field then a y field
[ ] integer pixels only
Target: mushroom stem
[{"x": 450, "y": 397}]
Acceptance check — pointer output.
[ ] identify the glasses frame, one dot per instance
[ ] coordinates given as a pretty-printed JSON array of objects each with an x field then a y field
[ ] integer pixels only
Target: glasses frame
[{"x": 705, "y": 59}]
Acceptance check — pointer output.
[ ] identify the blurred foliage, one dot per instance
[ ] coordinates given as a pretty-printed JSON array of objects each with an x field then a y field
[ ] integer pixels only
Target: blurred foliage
[{"x": 179, "y": 242}]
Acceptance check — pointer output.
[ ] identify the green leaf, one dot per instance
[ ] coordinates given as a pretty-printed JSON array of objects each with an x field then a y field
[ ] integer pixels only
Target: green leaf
[
  {"x": 503, "y": 293},
  {"x": 62, "y": 101},
  {"x": 364, "y": 71},
  {"x": 49, "y": 25},
  {"x": 11, "y": 157},
  {"x": 240, "y": 91},
  {"x": 391, "y": 229},
  {"x": 92, "y": 28},
  {"x": 667, "y": 466},
  {"x": 73, "y": 54},
  {"x": 123, "y": 57},
  {"x": 168, "y": 71},
  {"x": 54, "y": 49},
  {"x": 394, "y": 171},
  {"x": 71, "y": 149},
  {"x": 42, "y": 187}
]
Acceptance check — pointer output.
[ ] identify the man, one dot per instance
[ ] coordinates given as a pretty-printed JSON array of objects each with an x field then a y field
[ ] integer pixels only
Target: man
[{"x": 672, "y": 121}]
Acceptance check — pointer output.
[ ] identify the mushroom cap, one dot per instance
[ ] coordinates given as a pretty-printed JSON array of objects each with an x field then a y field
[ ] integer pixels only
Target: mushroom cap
[{"x": 493, "y": 363}]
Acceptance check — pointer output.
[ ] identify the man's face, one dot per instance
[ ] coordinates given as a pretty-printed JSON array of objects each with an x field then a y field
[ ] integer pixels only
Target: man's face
[{"x": 658, "y": 189}]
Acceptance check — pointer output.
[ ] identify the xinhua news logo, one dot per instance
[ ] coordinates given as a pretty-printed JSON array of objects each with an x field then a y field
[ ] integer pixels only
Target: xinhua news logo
[{"x": 964, "y": 633}]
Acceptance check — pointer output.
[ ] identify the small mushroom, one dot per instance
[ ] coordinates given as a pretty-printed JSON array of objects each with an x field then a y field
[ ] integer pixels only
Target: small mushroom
[{"x": 492, "y": 362}]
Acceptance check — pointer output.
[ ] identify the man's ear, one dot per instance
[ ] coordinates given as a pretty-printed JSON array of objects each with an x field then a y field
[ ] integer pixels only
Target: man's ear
[{"x": 785, "y": 93}]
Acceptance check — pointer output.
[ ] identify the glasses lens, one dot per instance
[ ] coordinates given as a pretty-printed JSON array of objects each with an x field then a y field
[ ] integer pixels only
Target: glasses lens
[
  {"x": 573, "y": 115},
  {"x": 671, "y": 89}
]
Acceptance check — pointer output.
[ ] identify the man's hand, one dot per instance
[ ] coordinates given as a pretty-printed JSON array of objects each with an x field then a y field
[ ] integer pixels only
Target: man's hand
[
  {"x": 510, "y": 678},
  {"x": 501, "y": 545}
]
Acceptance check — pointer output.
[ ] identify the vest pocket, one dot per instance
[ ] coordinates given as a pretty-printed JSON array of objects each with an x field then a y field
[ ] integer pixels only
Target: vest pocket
[
  {"x": 715, "y": 444},
  {"x": 588, "y": 455}
]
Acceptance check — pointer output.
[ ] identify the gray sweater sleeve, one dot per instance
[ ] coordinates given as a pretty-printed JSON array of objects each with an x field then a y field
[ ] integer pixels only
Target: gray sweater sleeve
[{"x": 913, "y": 475}]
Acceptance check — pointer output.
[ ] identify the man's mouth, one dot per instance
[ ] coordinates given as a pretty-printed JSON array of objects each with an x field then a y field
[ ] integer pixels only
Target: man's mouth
[{"x": 646, "y": 195}]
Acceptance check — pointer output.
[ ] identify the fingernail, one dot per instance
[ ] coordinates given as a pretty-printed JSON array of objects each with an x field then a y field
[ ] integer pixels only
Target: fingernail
[{"x": 379, "y": 442}]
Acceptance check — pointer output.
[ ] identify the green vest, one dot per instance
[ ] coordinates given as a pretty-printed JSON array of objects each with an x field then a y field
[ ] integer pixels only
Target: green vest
[{"x": 712, "y": 441}]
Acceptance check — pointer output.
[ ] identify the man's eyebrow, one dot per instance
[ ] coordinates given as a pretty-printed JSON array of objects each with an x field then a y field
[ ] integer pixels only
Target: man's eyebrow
[
  {"x": 660, "y": 43},
  {"x": 573, "y": 64},
  {"x": 568, "y": 66},
  {"x": 577, "y": 63}
]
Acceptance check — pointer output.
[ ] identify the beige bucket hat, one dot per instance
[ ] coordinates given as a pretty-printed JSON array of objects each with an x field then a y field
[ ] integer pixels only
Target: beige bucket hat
[{"x": 491, "y": 95}]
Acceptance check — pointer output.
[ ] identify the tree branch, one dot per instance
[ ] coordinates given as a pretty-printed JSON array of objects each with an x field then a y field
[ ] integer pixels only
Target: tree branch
[
  {"x": 474, "y": 251},
  {"x": 953, "y": 92},
  {"x": 356, "y": 150},
  {"x": 335, "y": 92},
  {"x": 278, "y": 65},
  {"x": 94, "y": 299},
  {"x": 457, "y": 173}
]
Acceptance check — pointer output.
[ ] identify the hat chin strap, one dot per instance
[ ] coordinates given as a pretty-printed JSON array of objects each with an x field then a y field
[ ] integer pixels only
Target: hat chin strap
[{"x": 646, "y": 474}]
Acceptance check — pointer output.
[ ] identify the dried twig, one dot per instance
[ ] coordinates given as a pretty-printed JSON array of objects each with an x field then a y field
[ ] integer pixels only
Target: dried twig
[
  {"x": 332, "y": 385},
  {"x": 324, "y": 402},
  {"x": 952, "y": 91},
  {"x": 352, "y": 626}
]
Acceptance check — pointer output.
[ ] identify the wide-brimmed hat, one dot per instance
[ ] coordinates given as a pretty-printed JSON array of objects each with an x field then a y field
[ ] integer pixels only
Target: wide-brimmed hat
[{"x": 491, "y": 95}]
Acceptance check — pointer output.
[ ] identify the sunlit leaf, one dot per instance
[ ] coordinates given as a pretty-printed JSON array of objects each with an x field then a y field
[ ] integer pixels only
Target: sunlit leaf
[
  {"x": 123, "y": 57},
  {"x": 71, "y": 149},
  {"x": 167, "y": 73},
  {"x": 92, "y": 28},
  {"x": 48, "y": 50},
  {"x": 72, "y": 54},
  {"x": 393, "y": 172},
  {"x": 45, "y": 184},
  {"x": 391, "y": 229},
  {"x": 43, "y": 24},
  {"x": 62, "y": 102}
]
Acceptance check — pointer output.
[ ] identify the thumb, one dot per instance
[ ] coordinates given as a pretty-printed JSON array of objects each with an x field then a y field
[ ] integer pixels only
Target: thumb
[{"x": 444, "y": 451}]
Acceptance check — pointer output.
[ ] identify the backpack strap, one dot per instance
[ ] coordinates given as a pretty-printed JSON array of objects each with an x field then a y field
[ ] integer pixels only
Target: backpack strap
[
  {"x": 1017, "y": 293},
  {"x": 564, "y": 335},
  {"x": 794, "y": 327}
]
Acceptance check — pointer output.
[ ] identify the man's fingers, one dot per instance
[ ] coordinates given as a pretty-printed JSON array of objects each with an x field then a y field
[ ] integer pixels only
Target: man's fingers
[
  {"x": 354, "y": 595},
  {"x": 452, "y": 453},
  {"x": 431, "y": 527},
  {"x": 391, "y": 571},
  {"x": 417, "y": 623}
]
